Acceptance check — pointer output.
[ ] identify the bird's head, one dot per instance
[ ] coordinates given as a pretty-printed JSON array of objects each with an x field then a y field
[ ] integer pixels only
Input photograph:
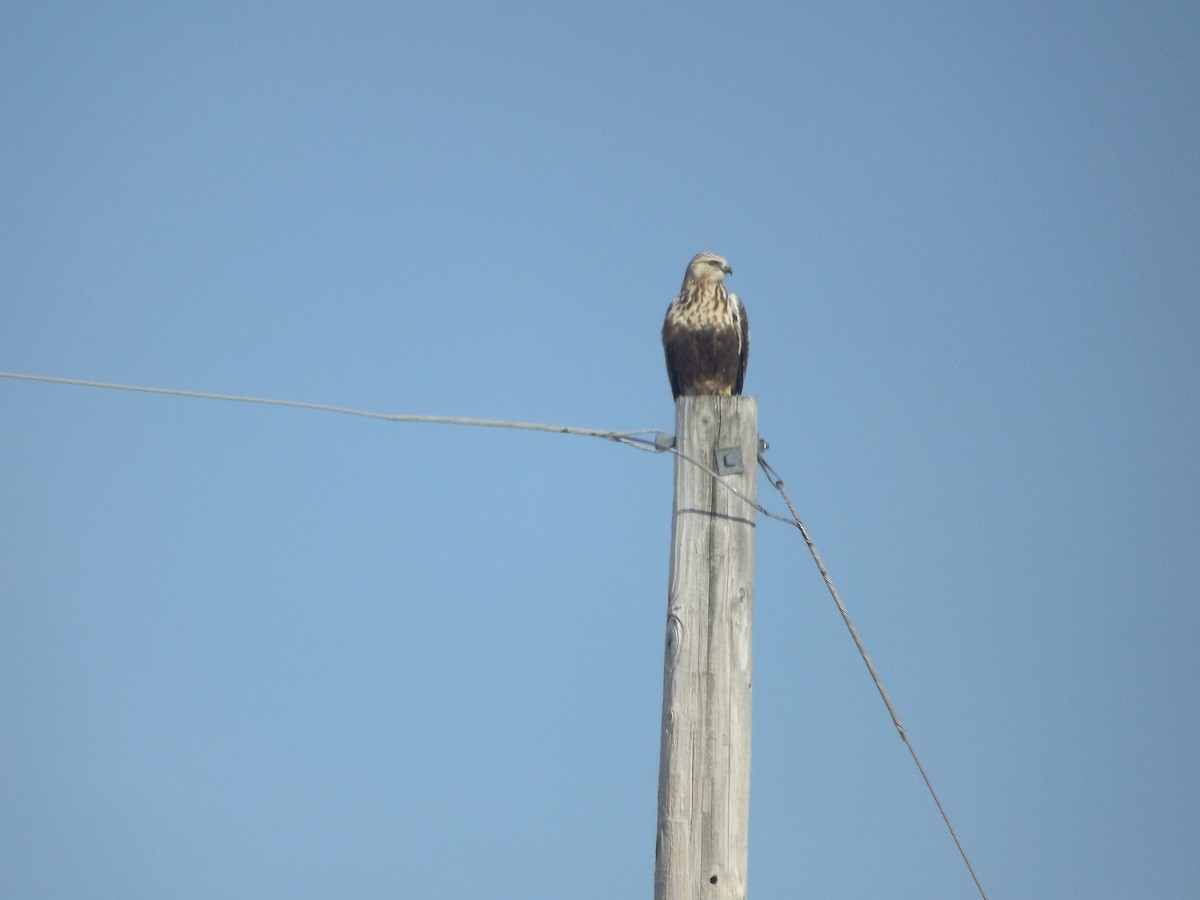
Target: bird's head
[{"x": 707, "y": 267}]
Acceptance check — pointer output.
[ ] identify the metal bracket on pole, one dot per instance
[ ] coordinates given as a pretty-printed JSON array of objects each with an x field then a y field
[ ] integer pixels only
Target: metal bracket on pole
[{"x": 729, "y": 461}]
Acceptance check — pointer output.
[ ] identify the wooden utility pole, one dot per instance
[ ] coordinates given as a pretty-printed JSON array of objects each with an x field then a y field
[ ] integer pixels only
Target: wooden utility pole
[{"x": 704, "y": 767}]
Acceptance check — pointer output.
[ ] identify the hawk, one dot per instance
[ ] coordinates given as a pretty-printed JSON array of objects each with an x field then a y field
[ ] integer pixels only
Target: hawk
[{"x": 706, "y": 335}]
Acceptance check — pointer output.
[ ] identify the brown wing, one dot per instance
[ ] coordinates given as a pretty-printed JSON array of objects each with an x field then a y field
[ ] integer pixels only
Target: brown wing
[
  {"x": 670, "y": 333},
  {"x": 745, "y": 355}
]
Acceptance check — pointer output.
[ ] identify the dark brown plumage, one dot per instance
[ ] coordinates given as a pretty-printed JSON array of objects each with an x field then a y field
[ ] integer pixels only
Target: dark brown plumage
[{"x": 706, "y": 335}]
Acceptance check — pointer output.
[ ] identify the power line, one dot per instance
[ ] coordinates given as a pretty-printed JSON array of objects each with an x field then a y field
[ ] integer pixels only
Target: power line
[
  {"x": 777, "y": 483},
  {"x": 618, "y": 436},
  {"x": 660, "y": 442},
  {"x": 638, "y": 439}
]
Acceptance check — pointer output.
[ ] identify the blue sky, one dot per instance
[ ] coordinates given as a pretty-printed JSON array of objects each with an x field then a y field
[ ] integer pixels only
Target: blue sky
[{"x": 255, "y": 652}]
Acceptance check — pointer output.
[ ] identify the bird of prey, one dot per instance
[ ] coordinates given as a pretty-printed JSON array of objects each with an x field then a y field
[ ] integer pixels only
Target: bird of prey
[{"x": 706, "y": 335}]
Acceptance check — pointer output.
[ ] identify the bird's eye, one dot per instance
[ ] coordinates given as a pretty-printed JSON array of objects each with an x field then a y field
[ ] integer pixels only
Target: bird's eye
[{"x": 713, "y": 262}]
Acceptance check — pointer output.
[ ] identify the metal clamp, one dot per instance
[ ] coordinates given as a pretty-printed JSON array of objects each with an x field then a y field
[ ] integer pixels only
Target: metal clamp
[{"x": 729, "y": 461}]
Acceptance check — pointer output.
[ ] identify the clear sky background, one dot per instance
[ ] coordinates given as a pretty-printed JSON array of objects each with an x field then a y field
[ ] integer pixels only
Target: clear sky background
[{"x": 249, "y": 652}]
